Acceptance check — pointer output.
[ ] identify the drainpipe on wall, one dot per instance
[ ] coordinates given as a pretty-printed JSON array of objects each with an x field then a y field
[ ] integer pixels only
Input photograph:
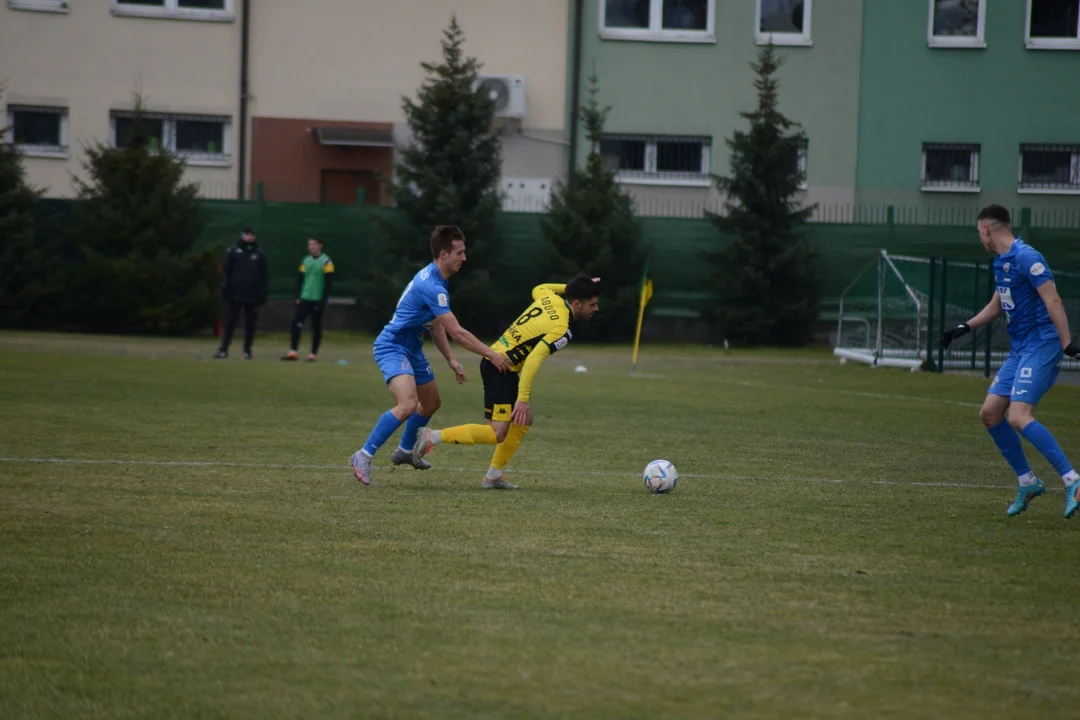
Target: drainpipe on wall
[
  {"x": 575, "y": 85},
  {"x": 245, "y": 15}
]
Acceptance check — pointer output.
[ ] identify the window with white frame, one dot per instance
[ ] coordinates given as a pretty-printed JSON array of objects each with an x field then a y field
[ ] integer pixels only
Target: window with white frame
[
  {"x": 178, "y": 9},
  {"x": 1050, "y": 169},
  {"x": 783, "y": 22},
  {"x": 60, "y": 6},
  {"x": 199, "y": 139},
  {"x": 804, "y": 148},
  {"x": 658, "y": 20},
  {"x": 950, "y": 167},
  {"x": 956, "y": 23},
  {"x": 38, "y": 131},
  {"x": 657, "y": 159},
  {"x": 1053, "y": 24}
]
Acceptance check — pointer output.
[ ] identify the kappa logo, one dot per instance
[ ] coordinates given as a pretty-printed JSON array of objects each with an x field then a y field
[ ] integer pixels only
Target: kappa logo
[
  {"x": 502, "y": 411},
  {"x": 1025, "y": 373}
]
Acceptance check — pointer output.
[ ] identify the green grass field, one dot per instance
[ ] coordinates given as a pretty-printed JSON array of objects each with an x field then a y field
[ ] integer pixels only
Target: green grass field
[{"x": 182, "y": 537}]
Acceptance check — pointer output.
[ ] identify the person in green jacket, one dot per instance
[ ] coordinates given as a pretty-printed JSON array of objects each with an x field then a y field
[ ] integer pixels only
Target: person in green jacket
[{"x": 313, "y": 283}]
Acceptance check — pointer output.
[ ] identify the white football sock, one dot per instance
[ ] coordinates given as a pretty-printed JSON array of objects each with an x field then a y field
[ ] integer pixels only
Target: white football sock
[
  {"x": 1070, "y": 477},
  {"x": 436, "y": 437},
  {"x": 1026, "y": 479},
  {"x": 493, "y": 473}
]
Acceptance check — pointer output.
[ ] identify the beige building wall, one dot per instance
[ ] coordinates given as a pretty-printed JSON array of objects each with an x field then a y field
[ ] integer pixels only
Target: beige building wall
[{"x": 90, "y": 57}]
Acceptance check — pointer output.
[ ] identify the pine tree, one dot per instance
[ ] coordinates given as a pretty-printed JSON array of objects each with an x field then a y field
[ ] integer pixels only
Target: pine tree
[
  {"x": 29, "y": 280},
  {"x": 590, "y": 228},
  {"x": 767, "y": 283},
  {"x": 137, "y": 227},
  {"x": 449, "y": 174}
]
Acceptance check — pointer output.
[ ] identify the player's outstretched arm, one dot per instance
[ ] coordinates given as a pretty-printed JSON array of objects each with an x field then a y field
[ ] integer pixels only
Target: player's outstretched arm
[
  {"x": 1056, "y": 309},
  {"x": 467, "y": 340},
  {"x": 438, "y": 335},
  {"x": 987, "y": 315}
]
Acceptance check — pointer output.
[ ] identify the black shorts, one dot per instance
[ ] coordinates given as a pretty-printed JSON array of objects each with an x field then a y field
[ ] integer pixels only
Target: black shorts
[{"x": 500, "y": 392}]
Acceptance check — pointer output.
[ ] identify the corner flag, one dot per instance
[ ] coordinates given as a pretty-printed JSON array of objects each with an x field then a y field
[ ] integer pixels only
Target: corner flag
[{"x": 646, "y": 295}]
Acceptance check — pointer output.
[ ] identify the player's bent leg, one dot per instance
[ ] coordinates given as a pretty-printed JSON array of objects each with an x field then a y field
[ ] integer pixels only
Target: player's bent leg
[
  {"x": 430, "y": 402},
  {"x": 404, "y": 389}
]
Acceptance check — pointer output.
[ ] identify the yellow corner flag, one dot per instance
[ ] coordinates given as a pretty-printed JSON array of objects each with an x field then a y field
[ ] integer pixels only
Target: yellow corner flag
[{"x": 646, "y": 295}]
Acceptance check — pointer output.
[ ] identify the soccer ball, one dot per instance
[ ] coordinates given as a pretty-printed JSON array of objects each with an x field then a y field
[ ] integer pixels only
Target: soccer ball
[{"x": 661, "y": 476}]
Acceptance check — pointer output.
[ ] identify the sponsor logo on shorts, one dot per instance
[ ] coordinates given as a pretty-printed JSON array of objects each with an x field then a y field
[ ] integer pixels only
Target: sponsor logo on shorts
[{"x": 1025, "y": 372}]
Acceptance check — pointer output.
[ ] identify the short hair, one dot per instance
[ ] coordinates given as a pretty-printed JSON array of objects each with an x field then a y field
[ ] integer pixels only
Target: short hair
[
  {"x": 443, "y": 237},
  {"x": 582, "y": 287},
  {"x": 995, "y": 213},
  {"x": 316, "y": 238}
]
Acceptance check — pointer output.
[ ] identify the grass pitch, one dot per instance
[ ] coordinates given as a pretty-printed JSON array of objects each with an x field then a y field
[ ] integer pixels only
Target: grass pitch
[{"x": 181, "y": 537}]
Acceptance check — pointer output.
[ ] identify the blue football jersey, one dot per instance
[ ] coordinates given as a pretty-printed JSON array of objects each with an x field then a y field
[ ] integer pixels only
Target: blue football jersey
[
  {"x": 1019, "y": 273},
  {"x": 424, "y": 299}
]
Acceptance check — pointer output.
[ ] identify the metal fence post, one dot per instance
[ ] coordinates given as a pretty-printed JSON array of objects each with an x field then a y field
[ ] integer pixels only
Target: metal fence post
[
  {"x": 944, "y": 309},
  {"x": 991, "y": 287},
  {"x": 930, "y": 315}
]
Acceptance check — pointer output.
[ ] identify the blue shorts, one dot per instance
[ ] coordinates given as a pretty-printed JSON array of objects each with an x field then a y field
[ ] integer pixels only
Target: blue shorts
[
  {"x": 1029, "y": 372},
  {"x": 394, "y": 360}
]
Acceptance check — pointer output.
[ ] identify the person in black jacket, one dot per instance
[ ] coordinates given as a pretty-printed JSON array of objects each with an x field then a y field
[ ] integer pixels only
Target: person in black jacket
[{"x": 245, "y": 284}]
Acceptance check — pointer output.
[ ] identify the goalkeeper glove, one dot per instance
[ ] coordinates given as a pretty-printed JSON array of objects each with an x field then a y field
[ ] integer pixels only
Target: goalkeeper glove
[
  {"x": 1072, "y": 350},
  {"x": 948, "y": 336}
]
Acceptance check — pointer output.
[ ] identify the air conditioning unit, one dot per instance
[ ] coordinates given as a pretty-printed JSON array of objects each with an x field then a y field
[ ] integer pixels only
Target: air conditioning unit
[{"x": 507, "y": 91}]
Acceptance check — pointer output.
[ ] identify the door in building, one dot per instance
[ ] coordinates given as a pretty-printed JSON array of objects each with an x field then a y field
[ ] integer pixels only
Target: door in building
[{"x": 341, "y": 187}]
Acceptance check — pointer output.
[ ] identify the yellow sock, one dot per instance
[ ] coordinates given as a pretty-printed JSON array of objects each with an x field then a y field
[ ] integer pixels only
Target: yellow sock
[
  {"x": 468, "y": 435},
  {"x": 506, "y": 449}
]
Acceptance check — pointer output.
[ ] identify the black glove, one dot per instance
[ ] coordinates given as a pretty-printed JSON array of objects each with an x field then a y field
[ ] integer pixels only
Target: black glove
[
  {"x": 1072, "y": 351},
  {"x": 948, "y": 336}
]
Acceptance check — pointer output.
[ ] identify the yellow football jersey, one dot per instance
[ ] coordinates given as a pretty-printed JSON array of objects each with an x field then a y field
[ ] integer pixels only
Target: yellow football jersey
[{"x": 543, "y": 329}]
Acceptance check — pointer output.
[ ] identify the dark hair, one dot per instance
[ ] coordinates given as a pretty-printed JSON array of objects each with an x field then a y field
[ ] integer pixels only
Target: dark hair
[
  {"x": 581, "y": 287},
  {"x": 995, "y": 212},
  {"x": 316, "y": 238},
  {"x": 443, "y": 237}
]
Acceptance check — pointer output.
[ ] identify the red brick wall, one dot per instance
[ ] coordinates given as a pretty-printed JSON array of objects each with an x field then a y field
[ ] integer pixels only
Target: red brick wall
[{"x": 288, "y": 160}]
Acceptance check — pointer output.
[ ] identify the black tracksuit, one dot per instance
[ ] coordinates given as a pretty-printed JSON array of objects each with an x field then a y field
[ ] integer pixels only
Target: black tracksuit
[{"x": 245, "y": 284}]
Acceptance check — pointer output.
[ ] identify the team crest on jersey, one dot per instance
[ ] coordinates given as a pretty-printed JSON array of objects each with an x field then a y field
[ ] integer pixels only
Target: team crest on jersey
[
  {"x": 1038, "y": 269},
  {"x": 1005, "y": 267}
]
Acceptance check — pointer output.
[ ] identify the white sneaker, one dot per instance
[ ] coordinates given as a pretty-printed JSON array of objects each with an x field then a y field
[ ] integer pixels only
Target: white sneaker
[{"x": 498, "y": 483}]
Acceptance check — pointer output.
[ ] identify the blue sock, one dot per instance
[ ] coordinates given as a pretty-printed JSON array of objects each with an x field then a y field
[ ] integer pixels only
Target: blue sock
[
  {"x": 387, "y": 425},
  {"x": 1037, "y": 434},
  {"x": 408, "y": 436},
  {"x": 1008, "y": 443}
]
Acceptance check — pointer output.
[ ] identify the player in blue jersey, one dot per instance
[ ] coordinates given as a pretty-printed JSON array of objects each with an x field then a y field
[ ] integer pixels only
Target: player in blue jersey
[
  {"x": 1039, "y": 337},
  {"x": 423, "y": 307}
]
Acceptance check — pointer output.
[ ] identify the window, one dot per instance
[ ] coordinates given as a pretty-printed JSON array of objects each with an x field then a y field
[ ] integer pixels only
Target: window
[
  {"x": 60, "y": 6},
  {"x": 658, "y": 20},
  {"x": 657, "y": 160},
  {"x": 38, "y": 131},
  {"x": 198, "y": 139},
  {"x": 783, "y": 22},
  {"x": 804, "y": 148},
  {"x": 178, "y": 9},
  {"x": 956, "y": 23},
  {"x": 1053, "y": 24},
  {"x": 950, "y": 168},
  {"x": 1050, "y": 169}
]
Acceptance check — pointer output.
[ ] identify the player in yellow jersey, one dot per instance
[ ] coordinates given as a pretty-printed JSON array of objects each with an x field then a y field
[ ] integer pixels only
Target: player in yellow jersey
[{"x": 544, "y": 328}]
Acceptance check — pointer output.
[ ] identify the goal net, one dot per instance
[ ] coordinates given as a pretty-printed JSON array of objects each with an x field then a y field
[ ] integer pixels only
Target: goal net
[{"x": 893, "y": 312}]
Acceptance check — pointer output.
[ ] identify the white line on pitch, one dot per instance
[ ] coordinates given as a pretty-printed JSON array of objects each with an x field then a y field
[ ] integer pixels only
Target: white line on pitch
[{"x": 343, "y": 468}]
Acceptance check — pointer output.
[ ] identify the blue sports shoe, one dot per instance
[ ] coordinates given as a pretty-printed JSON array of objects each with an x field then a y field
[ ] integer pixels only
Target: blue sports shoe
[
  {"x": 1025, "y": 494},
  {"x": 1072, "y": 499}
]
